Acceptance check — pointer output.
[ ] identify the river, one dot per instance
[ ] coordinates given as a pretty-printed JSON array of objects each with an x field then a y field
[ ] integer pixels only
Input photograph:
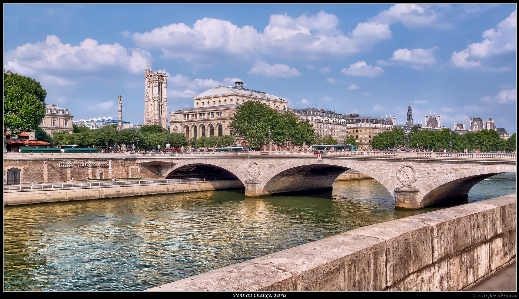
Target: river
[{"x": 135, "y": 243}]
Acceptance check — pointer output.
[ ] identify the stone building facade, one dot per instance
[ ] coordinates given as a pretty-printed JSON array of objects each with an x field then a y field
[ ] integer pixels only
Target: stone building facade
[
  {"x": 477, "y": 124},
  {"x": 155, "y": 98},
  {"x": 432, "y": 122},
  {"x": 214, "y": 108},
  {"x": 340, "y": 126},
  {"x": 56, "y": 119}
]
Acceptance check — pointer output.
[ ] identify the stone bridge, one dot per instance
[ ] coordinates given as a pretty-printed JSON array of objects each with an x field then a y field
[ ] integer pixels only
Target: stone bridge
[{"x": 415, "y": 180}]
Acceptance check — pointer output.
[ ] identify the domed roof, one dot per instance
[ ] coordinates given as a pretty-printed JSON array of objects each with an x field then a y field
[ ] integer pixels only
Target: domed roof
[{"x": 236, "y": 90}]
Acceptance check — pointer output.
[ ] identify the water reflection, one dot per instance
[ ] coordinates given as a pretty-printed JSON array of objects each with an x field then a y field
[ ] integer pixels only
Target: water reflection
[{"x": 140, "y": 242}]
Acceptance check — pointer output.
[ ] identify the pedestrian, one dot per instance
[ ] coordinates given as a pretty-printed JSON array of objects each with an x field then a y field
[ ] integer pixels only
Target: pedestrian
[{"x": 72, "y": 179}]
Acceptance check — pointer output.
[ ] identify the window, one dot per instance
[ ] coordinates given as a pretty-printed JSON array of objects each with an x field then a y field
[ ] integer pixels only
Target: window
[
  {"x": 66, "y": 123},
  {"x": 54, "y": 122}
]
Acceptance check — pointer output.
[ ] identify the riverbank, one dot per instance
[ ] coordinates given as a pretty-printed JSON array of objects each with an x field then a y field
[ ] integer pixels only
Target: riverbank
[{"x": 29, "y": 196}]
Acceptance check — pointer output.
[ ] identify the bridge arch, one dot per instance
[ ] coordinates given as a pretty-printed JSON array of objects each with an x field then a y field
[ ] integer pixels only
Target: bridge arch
[{"x": 430, "y": 182}]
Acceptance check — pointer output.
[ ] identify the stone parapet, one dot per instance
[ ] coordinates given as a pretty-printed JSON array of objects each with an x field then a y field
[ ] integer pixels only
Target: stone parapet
[{"x": 445, "y": 250}]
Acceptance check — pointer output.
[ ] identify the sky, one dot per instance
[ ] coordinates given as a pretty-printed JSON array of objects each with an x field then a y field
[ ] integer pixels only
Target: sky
[{"x": 456, "y": 61}]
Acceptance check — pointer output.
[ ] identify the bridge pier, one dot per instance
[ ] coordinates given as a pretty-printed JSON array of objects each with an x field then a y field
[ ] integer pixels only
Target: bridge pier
[
  {"x": 253, "y": 188},
  {"x": 407, "y": 197}
]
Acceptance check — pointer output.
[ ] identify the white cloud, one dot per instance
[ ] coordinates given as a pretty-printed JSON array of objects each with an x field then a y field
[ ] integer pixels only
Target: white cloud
[
  {"x": 503, "y": 97},
  {"x": 331, "y": 80},
  {"x": 496, "y": 42},
  {"x": 304, "y": 37},
  {"x": 414, "y": 56},
  {"x": 305, "y": 101},
  {"x": 276, "y": 70},
  {"x": 184, "y": 87},
  {"x": 353, "y": 87},
  {"x": 366, "y": 94},
  {"x": 410, "y": 15},
  {"x": 56, "y": 58},
  {"x": 362, "y": 69}
]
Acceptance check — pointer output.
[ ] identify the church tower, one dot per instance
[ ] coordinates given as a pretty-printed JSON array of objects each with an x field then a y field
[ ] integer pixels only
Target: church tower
[
  {"x": 155, "y": 98},
  {"x": 409, "y": 121}
]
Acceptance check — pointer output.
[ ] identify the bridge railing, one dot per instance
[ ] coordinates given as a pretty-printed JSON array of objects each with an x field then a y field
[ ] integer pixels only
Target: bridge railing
[{"x": 96, "y": 184}]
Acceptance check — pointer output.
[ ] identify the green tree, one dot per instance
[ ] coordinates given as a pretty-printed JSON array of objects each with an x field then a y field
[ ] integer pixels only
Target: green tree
[
  {"x": 149, "y": 129},
  {"x": 177, "y": 140},
  {"x": 351, "y": 140},
  {"x": 24, "y": 103},
  {"x": 226, "y": 140},
  {"x": 256, "y": 123},
  {"x": 327, "y": 139},
  {"x": 42, "y": 135},
  {"x": 511, "y": 143},
  {"x": 79, "y": 129},
  {"x": 304, "y": 133},
  {"x": 129, "y": 137}
]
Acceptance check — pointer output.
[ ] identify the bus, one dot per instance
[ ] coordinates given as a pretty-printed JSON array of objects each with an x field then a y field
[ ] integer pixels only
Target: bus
[
  {"x": 334, "y": 147},
  {"x": 76, "y": 150},
  {"x": 233, "y": 149}
]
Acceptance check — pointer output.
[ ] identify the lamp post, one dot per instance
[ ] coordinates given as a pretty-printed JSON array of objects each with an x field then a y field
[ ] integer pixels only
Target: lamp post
[{"x": 270, "y": 142}]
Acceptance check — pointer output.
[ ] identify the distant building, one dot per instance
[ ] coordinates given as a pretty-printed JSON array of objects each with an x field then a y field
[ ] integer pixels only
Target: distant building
[
  {"x": 409, "y": 121},
  {"x": 432, "y": 122},
  {"x": 477, "y": 124},
  {"x": 340, "y": 126},
  {"x": 99, "y": 122},
  {"x": 56, "y": 120},
  {"x": 503, "y": 133},
  {"x": 155, "y": 98},
  {"x": 214, "y": 108},
  {"x": 460, "y": 128}
]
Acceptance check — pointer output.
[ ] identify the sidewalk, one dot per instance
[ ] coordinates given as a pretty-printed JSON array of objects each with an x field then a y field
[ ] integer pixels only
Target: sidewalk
[{"x": 505, "y": 280}]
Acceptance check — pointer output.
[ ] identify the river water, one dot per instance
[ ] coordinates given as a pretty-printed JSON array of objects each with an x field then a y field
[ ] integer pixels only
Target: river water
[{"x": 135, "y": 243}]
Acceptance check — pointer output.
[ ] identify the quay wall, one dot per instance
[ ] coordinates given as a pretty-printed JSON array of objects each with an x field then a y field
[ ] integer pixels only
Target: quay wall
[
  {"x": 450, "y": 249},
  {"x": 32, "y": 197}
]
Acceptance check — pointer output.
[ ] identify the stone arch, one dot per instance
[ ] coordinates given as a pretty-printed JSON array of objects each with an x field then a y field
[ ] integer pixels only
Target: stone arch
[{"x": 216, "y": 163}]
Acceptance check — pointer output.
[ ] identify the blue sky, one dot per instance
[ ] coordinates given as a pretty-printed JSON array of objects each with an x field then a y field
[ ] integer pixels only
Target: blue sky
[{"x": 458, "y": 61}]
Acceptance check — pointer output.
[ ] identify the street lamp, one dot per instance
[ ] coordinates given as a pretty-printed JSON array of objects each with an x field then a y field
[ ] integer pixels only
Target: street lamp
[{"x": 270, "y": 142}]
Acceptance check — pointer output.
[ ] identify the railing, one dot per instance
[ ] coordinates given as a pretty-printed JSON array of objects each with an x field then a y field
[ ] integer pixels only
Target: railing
[
  {"x": 97, "y": 184},
  {"x": 505, "y": 156}
]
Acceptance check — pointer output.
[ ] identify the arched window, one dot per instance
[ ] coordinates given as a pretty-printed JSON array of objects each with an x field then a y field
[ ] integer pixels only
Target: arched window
[
  {"x": 220, "y": 130},
  {"x": 202, "y": 129},
  {"x": 211, "y": 130},
  {"x": 195, "y": 132}
]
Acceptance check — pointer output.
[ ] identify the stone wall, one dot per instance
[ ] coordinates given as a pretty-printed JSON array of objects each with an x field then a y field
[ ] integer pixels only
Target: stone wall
[
  {"x": 445, "y": 250},
  {"x": 63, "y": 169},
  {"x": 33, "y": 197}
]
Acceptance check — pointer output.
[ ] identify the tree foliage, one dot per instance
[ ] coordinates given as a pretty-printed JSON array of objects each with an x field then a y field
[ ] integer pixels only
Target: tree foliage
[
  {"x": 40, "y": 134},
  {"x": 24, "y": 103},
  {"x": 260, "y": 125}
]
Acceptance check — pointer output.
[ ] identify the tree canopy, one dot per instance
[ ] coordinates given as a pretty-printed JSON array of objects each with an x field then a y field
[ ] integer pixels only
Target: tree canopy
[
  {"x": 24, "y": 103},
  {"x": 259, "y": 125}
]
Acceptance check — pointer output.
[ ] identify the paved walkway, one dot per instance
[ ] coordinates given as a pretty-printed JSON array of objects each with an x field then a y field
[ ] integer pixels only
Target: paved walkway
[{"x": 504, "y": 280}]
